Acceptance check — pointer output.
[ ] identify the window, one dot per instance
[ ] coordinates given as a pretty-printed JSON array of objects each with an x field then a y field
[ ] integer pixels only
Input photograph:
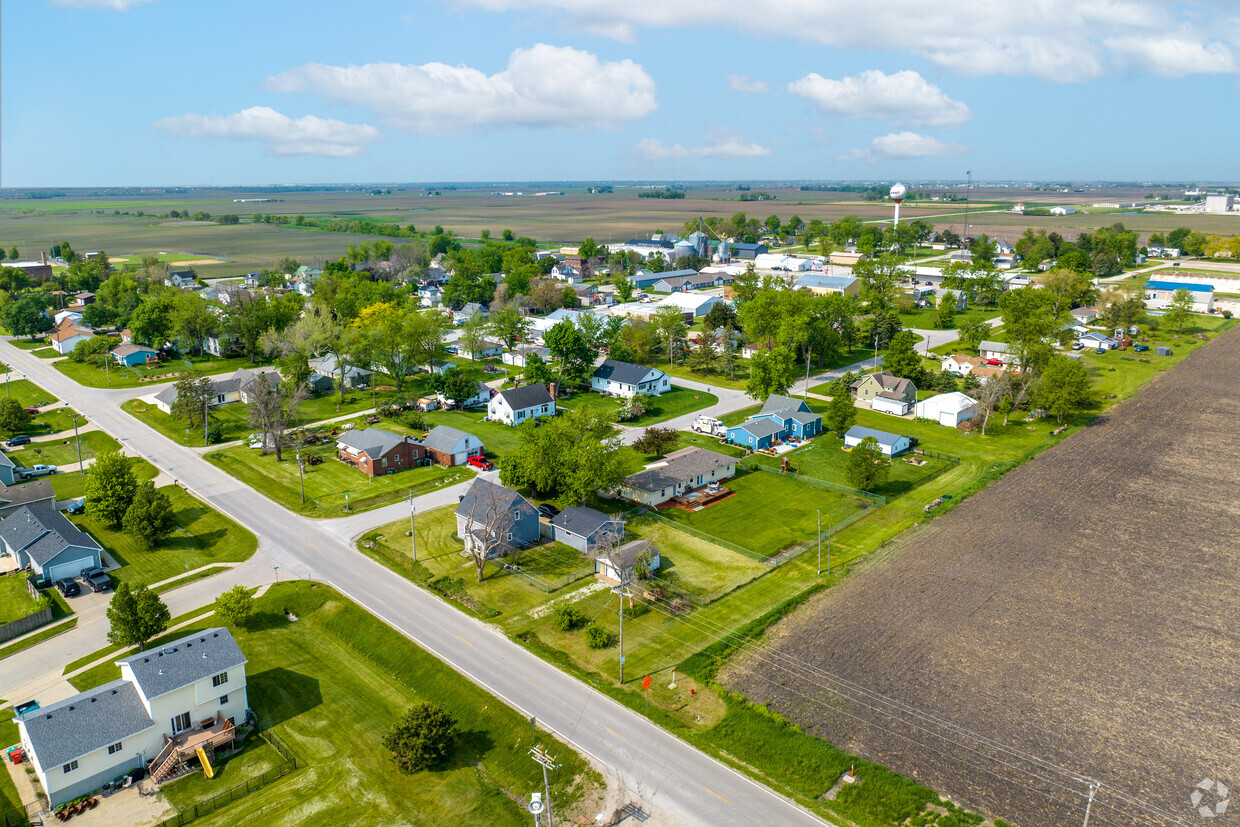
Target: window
[
  {"x": 71, "y": 766},
  {"x": 223, "y": 699},
  {"x": 508, "y": 537},
  {"x": 115, "y": 748},
  {"x": 516, "y": 513},
  {"x": 180, "y": 722},
  {"x": 220, "y": 679},
  {"x": 384, "y": 463}
]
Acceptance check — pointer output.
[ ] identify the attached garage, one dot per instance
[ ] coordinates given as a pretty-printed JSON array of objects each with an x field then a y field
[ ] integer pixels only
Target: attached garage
[
  {"x": 69, "y": 563},
  {"x": 41, "y": 537}
]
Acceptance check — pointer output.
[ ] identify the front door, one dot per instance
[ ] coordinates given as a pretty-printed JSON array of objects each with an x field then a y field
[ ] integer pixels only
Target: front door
[{"x": 180, "y": 723}]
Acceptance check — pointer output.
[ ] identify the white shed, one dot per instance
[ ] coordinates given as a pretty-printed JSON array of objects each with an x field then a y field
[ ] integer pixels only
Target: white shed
[{"x": 948, "y": 409}]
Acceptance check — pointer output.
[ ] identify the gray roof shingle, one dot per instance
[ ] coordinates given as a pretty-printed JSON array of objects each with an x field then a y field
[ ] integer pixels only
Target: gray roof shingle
[
  {"x": 491, "y": 493},
  {"x": 42, "y": 532},
  {"x": 626, "y": 556},
  {"x": 883, "y": 437},
  {"x": 373, "y": 442},
  {"x": 444, "y": 438},
  {"x": 678, "y": 467},
  {"x": 760, "y": 427},
  {"x": 626, "y": 373},
  {"x": 526, "y": 396},
  {"x": 779, "y": 404},
  {"x": 79, "y": 725},
  {"x": 185, "y": 661},
  {"x": 583, "y": 522}
]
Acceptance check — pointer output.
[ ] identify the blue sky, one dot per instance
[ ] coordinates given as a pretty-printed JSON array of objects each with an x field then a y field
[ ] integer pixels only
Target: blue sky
[{"x": 150, "y": 92}]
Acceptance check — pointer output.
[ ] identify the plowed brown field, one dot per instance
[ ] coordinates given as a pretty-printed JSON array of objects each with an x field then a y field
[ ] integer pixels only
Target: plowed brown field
[{"x": 1079, "y": 618}]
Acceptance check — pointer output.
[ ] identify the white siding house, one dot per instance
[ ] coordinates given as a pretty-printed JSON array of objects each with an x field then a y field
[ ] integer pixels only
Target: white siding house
[
  {"x": 627, "y": 379},
  {"x": 516, "y": 406}
]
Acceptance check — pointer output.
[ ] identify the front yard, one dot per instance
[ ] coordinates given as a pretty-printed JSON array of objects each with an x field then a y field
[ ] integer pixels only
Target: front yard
[
  {"x": 329, "y": 685},
  {"x": 203, "y": 536},
  {"x": 72, "y": 484},
  {"x": 27, "y": 393},
  {"x": 170, "y": 370},
  {"x": 676, "y": 402},
  {"x": 64, "y": 452},
  {"x": 331, "y": 484}
]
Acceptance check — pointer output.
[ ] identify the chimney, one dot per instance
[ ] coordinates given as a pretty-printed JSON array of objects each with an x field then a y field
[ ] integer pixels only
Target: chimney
[
  {"x": 42, "y": 257},
  {"x": 551, "y": 389}
]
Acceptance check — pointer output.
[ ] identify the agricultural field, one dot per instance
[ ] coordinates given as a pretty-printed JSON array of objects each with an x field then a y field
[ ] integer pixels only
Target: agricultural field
[
  {"x": 1082, "y": 587},
  {"x": 328, "y": 686}
]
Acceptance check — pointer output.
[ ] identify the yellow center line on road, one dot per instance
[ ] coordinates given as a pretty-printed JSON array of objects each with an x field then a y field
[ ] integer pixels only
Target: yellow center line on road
[
  {"x": 465, "y": 640},
  {"x": 530, "y": 681},
  {"x": 617, "y": 734},
  {"x": 407, "y": 604},
  {"x": 355, "y": 571},
  {"x": 717, "y": 795}
]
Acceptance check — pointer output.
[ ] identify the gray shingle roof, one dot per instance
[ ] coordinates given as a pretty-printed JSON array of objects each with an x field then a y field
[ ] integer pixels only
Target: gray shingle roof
[
  {"x": 185, "y": 661},
  {"x": 803, "y": 417},
  {"x": 79, "y": 725},
  {"x": 626, "y": 373},
  {"x": 42, "y": 532},
  {"x": 887, "y": 381},
  {"x": 778, "y": 404},
  {"x": 491, "y": 493},
  {"x": 5, "y": 461},
  {"x": 130, "y": 348},
  {"x": 679, "y": 466},
  {"x": 998, "y": 347},
  {"x": 884, "y": 438},
  {"x": 583, "y": 522},
  {"x": 760, "y": 427},
  {"x": 626, "y": 556},
  {"x": 444, "y": 439},
  {"x": 374, "y": 442},
  {"x": 526, "y": 396}
]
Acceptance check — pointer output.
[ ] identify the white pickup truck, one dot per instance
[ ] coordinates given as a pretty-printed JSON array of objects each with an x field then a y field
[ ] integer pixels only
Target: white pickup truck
[
  {"x": 36, "y": 471},
  {"x": 710, "y": 425}
]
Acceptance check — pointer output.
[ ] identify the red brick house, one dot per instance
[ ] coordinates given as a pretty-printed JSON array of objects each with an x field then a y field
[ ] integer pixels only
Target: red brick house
[{"x": 376, "y": 452}]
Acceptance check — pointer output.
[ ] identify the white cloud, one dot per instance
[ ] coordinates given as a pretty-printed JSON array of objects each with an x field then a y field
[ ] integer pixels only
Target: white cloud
[
  {"x": 904, "y": 98},
  {"x": 280, "y": 134},
  {"x": 114, "y": 5},
  {"x": 745, "y": 86},
  {"x": 543, "y": 86},
  {"x": 722, "y": 144},
  {"x": 903, "y": 146},
  {"x": 1062, "y": 40}
]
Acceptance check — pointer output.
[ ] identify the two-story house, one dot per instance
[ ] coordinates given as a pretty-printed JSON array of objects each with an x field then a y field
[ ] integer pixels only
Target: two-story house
[
  {"x": 168, "y": 703},
  {"x": 781, "y": 418},
  {"x": 627, "y": 379},
  {"x": 513, "y": 407},
  {"x": 886, "y": 392}
]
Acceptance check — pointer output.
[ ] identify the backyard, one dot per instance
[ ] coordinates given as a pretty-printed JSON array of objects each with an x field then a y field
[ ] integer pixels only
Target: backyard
[
  {"x": 331, "y": 486},
  {"x": 676, "y": 402},
  {"x": 203, "y": 536},
  {"x": 329, "y": 686},
  {"x": 170, "y": 370},
  {"x": 15, "y": 600},
  {"x": 9, "y": 798}
]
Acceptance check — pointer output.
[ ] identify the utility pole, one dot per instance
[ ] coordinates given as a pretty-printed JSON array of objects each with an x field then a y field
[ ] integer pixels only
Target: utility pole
[
  {"x": 547, "y": 762},
  {"x": 620, "y": 589},
  {"x": 413, "y": 510},
  {"x": 1093, "y": 788},
  {"x": 820, "y": 541},
  {"x": 6, "y": 384},
  {"x": 107, "y": 366},
  {"x": 301, "y": 473},
  {"x": 206, "y": 438},
  {"x": 79, "y": 443}
]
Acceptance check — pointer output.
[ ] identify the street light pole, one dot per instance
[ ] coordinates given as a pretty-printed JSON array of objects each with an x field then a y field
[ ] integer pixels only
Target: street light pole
[
  {"x": 301, "y": 474},
  {"x": 413, "y": 536},
  {"x": 78, "y": 437},
  {"x": 206, "y": 439}
]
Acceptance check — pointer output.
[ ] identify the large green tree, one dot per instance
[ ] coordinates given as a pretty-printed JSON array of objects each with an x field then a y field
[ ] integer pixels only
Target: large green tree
[
  {"x": 902, "y": 358},
  {"x": 110, "y": 487},
  {"x": 1029, "y": 321},
  {"x": 422, "y": 738},
  {"x": 13, "y": 416},
  {"x": 770, "y": 372},
  {"x": 840, "y": 414},
  {"x": 568, "y": 349},
  {"x": 149, "y": 518},
  {"x": 135, "y": 616},
  {"x": 670, "y": 328},
  {"x": 866, "y": 467},
  {"x": 1179, "y": 309},
  {"x": 1063, "y": 387},
  {"x": 568, "y": 457}
]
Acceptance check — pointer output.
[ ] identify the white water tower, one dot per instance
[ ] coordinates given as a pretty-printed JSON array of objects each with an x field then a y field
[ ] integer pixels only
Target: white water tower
[{"x": 897, "y": 195}]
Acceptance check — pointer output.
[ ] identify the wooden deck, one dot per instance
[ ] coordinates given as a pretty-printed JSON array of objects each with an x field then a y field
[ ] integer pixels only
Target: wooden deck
[{"x": 170, "y": 763}]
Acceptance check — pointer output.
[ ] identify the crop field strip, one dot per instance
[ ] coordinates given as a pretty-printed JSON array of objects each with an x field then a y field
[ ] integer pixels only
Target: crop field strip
[{"x": 1063, "y": 623}]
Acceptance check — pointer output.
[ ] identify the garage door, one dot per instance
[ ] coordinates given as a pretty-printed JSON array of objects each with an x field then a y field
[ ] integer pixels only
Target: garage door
[{"x": 61, "y": 570}]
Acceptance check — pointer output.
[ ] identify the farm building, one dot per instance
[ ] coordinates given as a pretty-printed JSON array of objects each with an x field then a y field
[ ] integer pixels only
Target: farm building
[
  {"x": 1158, "y": 294},
  {"x": 644, "y": 280},
  {"x": 696, "y": 281},
  {"x": 694, "y": 305},
  {"x": 948, "y": 409},
  {"x": 585, "y": 528},
  {"x": 892, "y": 445}
]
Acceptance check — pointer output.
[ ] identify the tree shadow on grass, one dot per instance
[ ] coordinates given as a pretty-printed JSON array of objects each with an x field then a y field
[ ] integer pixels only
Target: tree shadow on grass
[
  {"x": 470, "y": 748},
  {"x": 278, "y": 695}
]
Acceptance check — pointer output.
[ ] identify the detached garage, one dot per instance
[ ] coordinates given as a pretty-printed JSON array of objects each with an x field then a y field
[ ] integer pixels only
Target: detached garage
[
  {"x": 892, "y": 445},
  {"x": 42, "y": 538},
  {"x": 948, "y": 409}
]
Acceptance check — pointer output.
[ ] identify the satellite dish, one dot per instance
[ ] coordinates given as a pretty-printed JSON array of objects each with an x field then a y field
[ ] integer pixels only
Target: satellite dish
[
  {"x": 898, "y": 192},
  {"x": 536, "y": 803}
]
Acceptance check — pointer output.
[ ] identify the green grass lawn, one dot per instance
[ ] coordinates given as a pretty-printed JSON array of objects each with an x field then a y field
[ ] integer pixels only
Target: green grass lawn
[
  {"x": 53, "y": 422},
  {"x": 768, "y": 513},
  {"x": 47, "y": 353},
  {"x": 331, "y": 484},
  {"x": 31, "y": 344},
  {"x": 329, "y": 685},
  {"x": 9, "y": 736},
  {"x": 926, "y": 318},
  {"x": 232, "y": 420},
  {"x": 824, "y": 458},
  {"x": 168, "y": 371},
  {"x": 692, "y": 564},
  {"x": 15, "y": 601},
  {"x": 64, "y": 452},
  {"x": 69, "y": 485},
  {"x": 676, "y": 402},
  {"x": 27, "y": 393},
  {"x": 203, "y": 536}
]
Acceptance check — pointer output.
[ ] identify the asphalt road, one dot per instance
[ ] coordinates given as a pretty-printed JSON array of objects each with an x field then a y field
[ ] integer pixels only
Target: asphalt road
[{"x": 674, "y": 777}]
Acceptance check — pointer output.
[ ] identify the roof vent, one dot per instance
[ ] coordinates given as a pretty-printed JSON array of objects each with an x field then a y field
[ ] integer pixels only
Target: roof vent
[
  {"x": 204, "y": 655},
  {"x": 70, "y": 709},
  {"x": 92, "y": 700},
  {"x": 49, "y": 716},
  {"x": 113, "y": 691},
  {"x": 161, "y": 671},
  {"x": 146, "y": 660}
]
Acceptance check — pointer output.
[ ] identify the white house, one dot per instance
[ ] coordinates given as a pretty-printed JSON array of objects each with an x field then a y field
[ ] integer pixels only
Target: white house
[
  {"x": 70, "y": 333},
  {"x": 39, "y": 536},
  {"x": 1095, "y": 339},
  {"x": 515, "y": 406},
  {"x": 61, "y": 315},
  {"x": 949, "y": 409},
  {"x": 168, "y": 702},
  {"x": 482, "y": 395},
  {"x": 993, "y": 350},
  {"x": 234, "y": 388},
  {"x": 517, "y": 358},
  {"x": 961, "y": 364},
  {"x": 892, "y": 445},
  {"x": 697, "y": 304},
  {"x": 627, "y": 379}
]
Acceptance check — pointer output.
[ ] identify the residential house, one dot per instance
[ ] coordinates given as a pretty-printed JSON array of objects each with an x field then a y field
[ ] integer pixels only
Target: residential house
[
  {"x": 590, "y": 296},
  {"x": 692, "y": 305},
  {"x": 69, "y": 334},
  {"x": 1095, "y": 339},
  {"x": 585, "y": 528},
  {"x": 180, "y": 278},
  {"x": 781, "y": 418},
  {"x": 678, "y": 473},
  {"x": 429, "y": 295},
  {"x": 42, "y": 538},
  {"x": 517, "y": 358},
  {"x": 993, "y": 350},
  {"x": 1084, "y": 315},
  {"x": 621, "y": 564},
  {"x": 489, "y": 508},
  {"x": 471, "y": 309},
  {"x": 890, "y": 387},
  {"x": 482, "y": 396},
  {"x": 756, "y": 434},
  {"x": 516, "y": 406},
  {"x": 222, "y": 345},
  {"x": 34, "y": 493},
  {"x": 168, "y": 702},
  {"x": 821, "y": 284},
  {"x": 235, "y": 388},
  {"x": 627, "y": 379},
  {"x": 1159, "y": 294},
  {"x": 962, "y": 364},
  {"x": 690, "y": 280},
  {"x": 131, "y": 355},
  {"x": 376, "y": 452},
  {"x": 72, "y": 315},
  {"x": 948, "y": 409},
  {"x": 487, "y": 349},
  {"x": 449, "y": 446},
  {"x": 752, "y": 349},
  {"x": 326, "y": 372},
  {"x": 892, "y": 445}
]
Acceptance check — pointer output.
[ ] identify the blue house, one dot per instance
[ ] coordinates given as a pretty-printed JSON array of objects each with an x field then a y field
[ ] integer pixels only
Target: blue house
[
  {"x": 781, "y": 418},
  {"x": 132, "y": 355}
]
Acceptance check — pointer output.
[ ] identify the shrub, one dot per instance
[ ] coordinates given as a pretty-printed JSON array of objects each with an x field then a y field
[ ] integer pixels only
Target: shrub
[
  {"x": 412, "y": 419},
  {"x": 421, "y": 738},
  {"x": 597, "y": 637},
  {"x": 567, "y": 618},
  {"x": 1226, "y": 315}
]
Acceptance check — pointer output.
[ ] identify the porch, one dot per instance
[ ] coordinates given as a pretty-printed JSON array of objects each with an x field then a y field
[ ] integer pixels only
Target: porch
[{"x": 180, "y": 748}]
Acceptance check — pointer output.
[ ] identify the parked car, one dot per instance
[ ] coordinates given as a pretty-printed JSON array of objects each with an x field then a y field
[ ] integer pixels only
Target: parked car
[
  {"x": 1078, "y": 345},
  {"x": 37, "y": 471},
  {"x": 68, "y": 588},
  {"x": 996, "y": 362},
  {"x": 1140, "y": 348},
  {"x": 78, "y": 506},
  {"x": 32, "y": 411},
  {"x": 548, "y": 510},
  {"x": 1101, "y": 350},
  {"x": 96, "y": 580},
  {"x": 20, "y": 439},
  {"x": 481, "y": 463}
]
